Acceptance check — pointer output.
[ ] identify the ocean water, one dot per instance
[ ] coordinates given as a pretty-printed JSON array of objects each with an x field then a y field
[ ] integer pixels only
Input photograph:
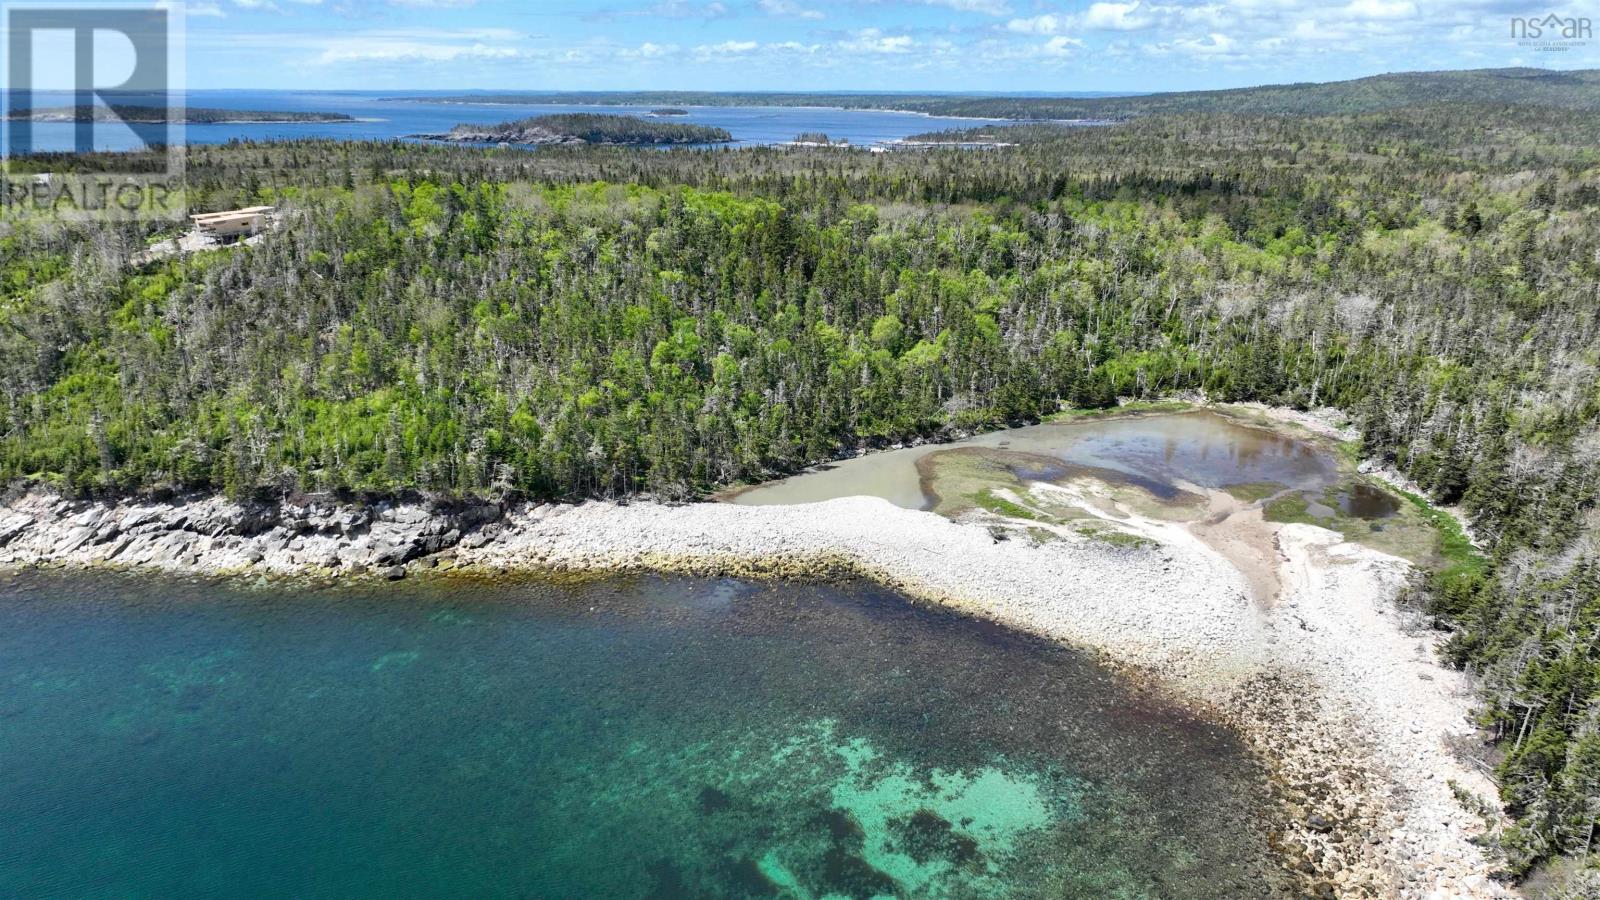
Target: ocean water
[
  {"x": 642, "y": 737},
  {"x": 382, "y": 118}
]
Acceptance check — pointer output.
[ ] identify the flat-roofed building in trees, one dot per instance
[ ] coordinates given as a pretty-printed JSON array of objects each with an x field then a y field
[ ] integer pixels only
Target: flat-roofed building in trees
[{"x": 234, "y": 223}]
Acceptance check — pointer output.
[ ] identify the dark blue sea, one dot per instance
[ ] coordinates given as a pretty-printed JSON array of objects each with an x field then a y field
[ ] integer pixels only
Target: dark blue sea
[{"x": 380, "y": 117}]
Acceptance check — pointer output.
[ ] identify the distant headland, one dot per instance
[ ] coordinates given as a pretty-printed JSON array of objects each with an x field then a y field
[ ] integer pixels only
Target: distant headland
[{"x": 583, "y": 128}]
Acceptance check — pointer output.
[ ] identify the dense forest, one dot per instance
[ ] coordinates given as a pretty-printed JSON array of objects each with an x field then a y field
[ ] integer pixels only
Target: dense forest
[
  {"x": 586, "y": 128},
  {"x": 1563, "y": 90},
  {"x": 592, "y": 321},
  {"x": 1031, "y": 132}
]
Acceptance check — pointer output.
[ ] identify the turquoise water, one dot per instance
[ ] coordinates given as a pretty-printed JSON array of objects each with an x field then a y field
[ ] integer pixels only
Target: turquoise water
[{"x": 650, "y": 737}]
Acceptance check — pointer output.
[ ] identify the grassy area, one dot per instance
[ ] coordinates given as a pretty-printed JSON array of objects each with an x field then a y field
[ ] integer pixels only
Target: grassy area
[
  {"x": 958, "y": 477},
  {"x": 1416, "y": 532},
  {"x": 1000, "y": 506},
  {"x": 1043, "y": 536},
  {"x": 1252, "y": 491},
  {"x": 1456, "y": 552},
  {"x": 1293, "y": 508},
  {"x": 1350, "y": 453},
  {"x": 1114, "y": 537}
]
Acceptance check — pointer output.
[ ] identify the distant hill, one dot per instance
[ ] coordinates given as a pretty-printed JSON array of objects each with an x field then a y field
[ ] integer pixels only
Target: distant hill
[
  {"x": 583, "y": 128},
  {"x": 1538, "y": 87}
]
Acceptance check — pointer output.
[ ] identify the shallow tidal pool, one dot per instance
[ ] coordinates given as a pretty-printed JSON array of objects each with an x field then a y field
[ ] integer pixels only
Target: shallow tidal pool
[
  {"x": 642, "y": 737},
  {"x": 1161, "y": 453}
]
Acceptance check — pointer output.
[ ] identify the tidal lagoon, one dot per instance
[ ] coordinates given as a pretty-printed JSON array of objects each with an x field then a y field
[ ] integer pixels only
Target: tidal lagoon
[{"x": 1162, "y": 454}]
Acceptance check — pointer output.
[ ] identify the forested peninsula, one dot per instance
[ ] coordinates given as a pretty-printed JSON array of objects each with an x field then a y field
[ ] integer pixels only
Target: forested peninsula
[
  {"x": 583, "y": 128},
  {"x": 604, "y": 322}
]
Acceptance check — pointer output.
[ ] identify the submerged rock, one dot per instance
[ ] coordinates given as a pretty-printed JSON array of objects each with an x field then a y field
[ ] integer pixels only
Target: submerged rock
[
  {"x": 745, "y": 877},
  {"x": 926, "y": 836},
  {"x": 849, "y": 875},
  {"x": 712, "y": 800},
  {"x": 842, "y": 827}
]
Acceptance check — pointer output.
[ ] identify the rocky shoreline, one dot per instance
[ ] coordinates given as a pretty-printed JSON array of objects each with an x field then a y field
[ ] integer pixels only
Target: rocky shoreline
[{"x": 1336, "y": 691}]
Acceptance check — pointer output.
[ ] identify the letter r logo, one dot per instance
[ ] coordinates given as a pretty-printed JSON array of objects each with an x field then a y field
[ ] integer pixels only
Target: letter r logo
[{"x": 36, "y": 36}]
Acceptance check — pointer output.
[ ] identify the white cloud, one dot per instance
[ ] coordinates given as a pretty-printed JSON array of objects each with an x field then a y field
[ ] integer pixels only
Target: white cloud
[
  {"x": 686, "y": 9},
  {"x": 788, "y": 9},
  {"x": 1211, "y": 45},
  {"x": 396, "y": 45},
  {"x": 725, "y": 50},
  {"x": 1045, "y": 24},
  {"x": 1380, "y": 9},
  {"x": 267, "y": 5},
  {"x": 204, "y": 11},
  {"x": 1053, "y": 51},
  {"x": 648, "y": 50},
  {"x": 866, "y": 42},
  {"x": 1117, "y": 16},
  {"x": 872, "y": 40},
  {"x": 1131, "y": 16},
  {"x": 192, "y": 10},
  {"x": 1060, "y": 46},
  {"x": 412, "y": 51},
  {"x": 987, "y": 7}
]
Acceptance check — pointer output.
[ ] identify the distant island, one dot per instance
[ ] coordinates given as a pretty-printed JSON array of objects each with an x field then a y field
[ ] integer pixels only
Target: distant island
[
  {"x": 160, "y": 115},
  {"x": 817, "y": 139},
  {"x": 669, "y": 111},
  {"x": 583, "y": 128}
]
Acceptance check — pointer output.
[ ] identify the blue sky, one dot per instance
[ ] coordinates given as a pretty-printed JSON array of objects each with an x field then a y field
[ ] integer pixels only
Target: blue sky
[{"x": 971, "y": 45}]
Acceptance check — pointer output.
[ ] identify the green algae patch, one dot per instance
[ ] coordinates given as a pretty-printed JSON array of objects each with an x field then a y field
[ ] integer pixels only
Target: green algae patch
[
  {"x": 1457, "y": 556},
  {"x": 1293, "y": 509},
  {"x": 1001, "y": 506},
  {"x": 1042, "y": 536},
  {"x": 966, "y": 479},
  {"x": 1116, "y": 537},
  {"x": 1255, "y": 491},
  {"x": 1368, "y": 514}
]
